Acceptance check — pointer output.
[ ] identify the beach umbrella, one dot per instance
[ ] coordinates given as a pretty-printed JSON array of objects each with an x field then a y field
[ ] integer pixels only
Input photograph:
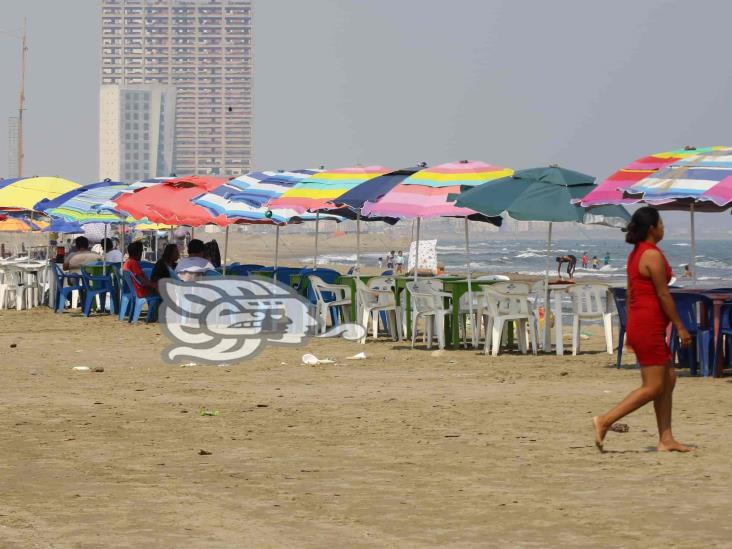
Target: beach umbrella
[
  {"x": 25, "y": 192},
  {"x": 542, "y": 194},
  {"x": 370, "y": 191},
  {"x": 426, "y": 193},
  {"x": 317, "y": 193},
  {"x": 21, "y": 225},
  {"x": 691, "y": 179},
  {"x": 244, "y": 200}
]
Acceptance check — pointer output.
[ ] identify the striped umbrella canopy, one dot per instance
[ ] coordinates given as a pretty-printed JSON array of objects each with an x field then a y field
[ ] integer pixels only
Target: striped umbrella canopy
[
  {"x": 425, "y": 193},
  {"x": 244, "y": 199},
  {"x": 24, "y": 193},
  {"x": 645, "y": 173},
  {"x": 90, "y": 203},
  {"x": 21, "y": 225},
  {"x": 317, "y": 192},
  {"x": 170, "y": 201}
]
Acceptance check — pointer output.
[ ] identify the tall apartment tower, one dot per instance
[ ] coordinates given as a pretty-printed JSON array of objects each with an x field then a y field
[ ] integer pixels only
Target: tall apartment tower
[{"x": 203, "y": 50}]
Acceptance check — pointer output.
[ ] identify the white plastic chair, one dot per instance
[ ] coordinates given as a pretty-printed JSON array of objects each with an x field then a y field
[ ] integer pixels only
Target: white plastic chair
[
  {"x": 372, "y": 301},
  {"x": 11, "y": 286},
  {"x": 341, "y": 302},
  {"x": 508, "y": 302},
  {"x": 590, "y": 302},
  {"x": 428, "y": 304}
]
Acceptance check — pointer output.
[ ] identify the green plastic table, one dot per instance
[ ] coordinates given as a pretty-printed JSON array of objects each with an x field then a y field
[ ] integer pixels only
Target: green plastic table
[{"x": 458, "y": 288}]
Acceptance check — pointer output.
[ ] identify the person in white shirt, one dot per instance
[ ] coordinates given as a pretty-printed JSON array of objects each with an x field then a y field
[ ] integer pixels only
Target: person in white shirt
[
  {"x": 82, "y": 256},
  {"x": 192, "y": 267},
  {"x": 112, "y": 254}
]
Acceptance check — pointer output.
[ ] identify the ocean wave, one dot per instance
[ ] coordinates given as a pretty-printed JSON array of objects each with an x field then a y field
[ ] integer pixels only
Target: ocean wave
[
  {"x": 712, "y": 264},
  {"x": 684, "y": 244},
  {"x": 526, "y": 254}
]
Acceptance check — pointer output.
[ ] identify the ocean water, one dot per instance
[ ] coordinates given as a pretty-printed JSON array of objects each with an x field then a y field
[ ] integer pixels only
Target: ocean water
[{"x": 528, "y": 257}]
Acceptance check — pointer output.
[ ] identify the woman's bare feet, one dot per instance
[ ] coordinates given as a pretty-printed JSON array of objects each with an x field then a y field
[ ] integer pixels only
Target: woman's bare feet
[
  {"x": 672, "y": 446},
  {"x": 600, "y": 432}
]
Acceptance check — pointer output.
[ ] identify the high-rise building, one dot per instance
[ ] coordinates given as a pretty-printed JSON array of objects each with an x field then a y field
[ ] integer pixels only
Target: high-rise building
[
  {"x": 202, "y": 48},
  {"x": 136, "y": 131}
]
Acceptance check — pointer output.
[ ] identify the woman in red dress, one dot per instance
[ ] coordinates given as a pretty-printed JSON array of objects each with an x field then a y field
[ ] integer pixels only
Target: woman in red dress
[{"x": 650, "y": 309}]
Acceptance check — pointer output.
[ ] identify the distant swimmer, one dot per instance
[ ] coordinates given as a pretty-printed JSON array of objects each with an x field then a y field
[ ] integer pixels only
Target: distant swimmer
[
  {"x": 595, "y": 262},
  {"x": 585, "y": 260},
  {"x": 606, "y": 260},
  {"x": 571, "y": 262},
  {"x": 687, "y": 272}
]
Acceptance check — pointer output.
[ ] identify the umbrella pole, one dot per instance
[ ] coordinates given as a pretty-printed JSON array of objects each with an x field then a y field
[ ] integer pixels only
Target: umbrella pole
[
  {"x": 473, "y": 322},
  {"x": 358, "y": 240},
  {"x": 317, "y": 230},
  {"x": 416, "y": 251},
  {"x": 122, "y": 239},
  {"x": 226, "y": 248},
  {"x": 692, "y": 264},
  {"x": 104, "y": 252},
  {"x": 277, "y": 246},
  {"x": 547, "y": 307}
]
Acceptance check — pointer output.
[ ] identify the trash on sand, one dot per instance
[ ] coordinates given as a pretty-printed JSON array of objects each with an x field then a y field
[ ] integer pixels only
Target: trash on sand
[
  {"x": 99, "y": 369},
  {"x": 204, "y": 453},
  {"x": 13, "y": 345},
  {"x": 81, "y": 368},
  {"x": 188, "y": 365},
  {"x": 620, "y": 427},
  {"x": 312, "y": 360},
  {"x": 438, "y": 352},
  {"x": 205, "y": 412},
  {"x": 357, "y": 356}
]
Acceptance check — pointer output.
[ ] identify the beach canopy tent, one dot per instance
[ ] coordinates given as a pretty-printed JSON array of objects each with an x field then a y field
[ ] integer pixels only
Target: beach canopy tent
[
  {"x": 690, "y": 179},
  {"x": 25, "y": 192},
  {"x": 542, "y": 194},
  {"x": 426, "y": 193},
  {"x": 244, "y": 200}
]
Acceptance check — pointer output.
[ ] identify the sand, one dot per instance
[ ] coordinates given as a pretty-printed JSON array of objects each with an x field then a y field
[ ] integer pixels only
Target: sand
[{"x": 403, "y": 449}]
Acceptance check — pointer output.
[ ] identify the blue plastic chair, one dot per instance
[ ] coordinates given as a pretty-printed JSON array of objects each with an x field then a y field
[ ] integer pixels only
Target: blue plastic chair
[
  {"x": 282, "y": 274},
  {"x": 146, "y": 265},
  {"x": 98, "y": 285},
  {"x": 134, "y": 304},
  {"x": 172, "y": 274},
  {"x": 702, "y": 339},
  {"x": 724, "y": 336},
  {"x": 388, "y": 272},
  {"x": 620, "y": 296},
  {"x": 66, "y": 283},
  {"x": 211, "y": 273}
]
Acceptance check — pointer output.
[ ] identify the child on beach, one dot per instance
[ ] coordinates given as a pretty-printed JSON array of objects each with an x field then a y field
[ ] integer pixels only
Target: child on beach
[
  {"x": 585, "y": 260},
  {"x": 595, "y": 262},
  {"x": 380, "y": 262},
  {"x": 399, "y": 262},
  {"x": 607, "y": 258},
  {"x": 390, "y": 260}
]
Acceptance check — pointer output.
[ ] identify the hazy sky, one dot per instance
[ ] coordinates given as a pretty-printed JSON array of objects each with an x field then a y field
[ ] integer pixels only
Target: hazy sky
[{"x": 588, "y": 84}]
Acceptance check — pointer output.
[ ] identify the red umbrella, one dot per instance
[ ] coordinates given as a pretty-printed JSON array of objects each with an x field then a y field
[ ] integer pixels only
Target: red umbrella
[{"x": 171, "y": 202}]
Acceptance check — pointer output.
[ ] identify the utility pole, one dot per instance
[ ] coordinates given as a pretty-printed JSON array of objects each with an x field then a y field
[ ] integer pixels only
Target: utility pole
[{"x": 21, "y": 102}]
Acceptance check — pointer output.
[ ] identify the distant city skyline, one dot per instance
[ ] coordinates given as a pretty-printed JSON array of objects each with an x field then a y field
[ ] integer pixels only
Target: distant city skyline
[{"x": 588, "y": 84}]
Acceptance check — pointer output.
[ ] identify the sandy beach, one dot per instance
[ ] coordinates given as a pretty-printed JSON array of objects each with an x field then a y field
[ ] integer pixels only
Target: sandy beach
[{"x": 403, "y": 449}]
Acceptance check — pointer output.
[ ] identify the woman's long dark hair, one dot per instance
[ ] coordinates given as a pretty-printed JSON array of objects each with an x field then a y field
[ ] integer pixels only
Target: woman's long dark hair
[
  {"x": 643, "y": 219},
  {"x": 168, "y": 253}
]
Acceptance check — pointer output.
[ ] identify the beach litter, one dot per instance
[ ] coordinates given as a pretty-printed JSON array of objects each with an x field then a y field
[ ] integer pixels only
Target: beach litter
[
  {"x": 99, "y": 369},
  {"x": 205, "y": 412},
  {"x": 13, "y": 345},
  {"x": 620, "y": 427},
  {"x": 204, "y": 453},
  {"x": 81, "y": 368},
  {"x": 357, "y": 356},
  {"x": 312, "y": 360},
  {"x": 188, "y": 365}
]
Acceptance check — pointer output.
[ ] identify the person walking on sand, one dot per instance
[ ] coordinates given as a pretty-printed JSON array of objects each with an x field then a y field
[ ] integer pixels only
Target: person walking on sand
[{"x": 650, "y": 309}]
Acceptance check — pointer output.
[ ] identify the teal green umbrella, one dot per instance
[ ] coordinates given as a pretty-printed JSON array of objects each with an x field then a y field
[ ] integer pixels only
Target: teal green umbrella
[{"x": 541, "y": 194}]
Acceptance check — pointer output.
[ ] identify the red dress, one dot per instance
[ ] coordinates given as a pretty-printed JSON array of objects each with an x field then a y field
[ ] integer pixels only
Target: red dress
[{"x": 647, "y": 323}]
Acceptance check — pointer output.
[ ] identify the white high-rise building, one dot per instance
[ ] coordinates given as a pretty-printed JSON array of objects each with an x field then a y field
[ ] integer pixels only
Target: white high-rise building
[
  {"x": 136, "y": 131},
  {"x": 202, "y": 48}
]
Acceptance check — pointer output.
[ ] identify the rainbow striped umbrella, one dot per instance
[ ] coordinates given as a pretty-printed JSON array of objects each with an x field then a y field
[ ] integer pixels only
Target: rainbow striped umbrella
[
  {"x": 317, "y": 192},
  {"x": 612, "y": 190},
  {"x": 24, "y": 193},
  {"x": 87, "y": 204},
  {"x": 425, "y": 193}
]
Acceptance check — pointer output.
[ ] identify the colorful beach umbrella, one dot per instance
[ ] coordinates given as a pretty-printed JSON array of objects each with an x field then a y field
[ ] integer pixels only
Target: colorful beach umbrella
[
  {"x": 542, "y": 194},
  {"x": 24, "y": 193},
  {"x": 612, "y": 190},
  {"x": 21, "y": 225},
  {"x": 317, "y": 192},
  {"x": 170, "y": 201},
  {"x": 692, "y": 179},
  {"x": 90, "y": 203}
]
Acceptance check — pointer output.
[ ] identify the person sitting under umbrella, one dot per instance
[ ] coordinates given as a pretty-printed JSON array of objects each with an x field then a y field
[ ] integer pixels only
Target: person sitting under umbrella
[
  {"x": 571, "y": 262},
  {"x": 192, "y": 267},
  {"x": 81, "y": 256}
]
